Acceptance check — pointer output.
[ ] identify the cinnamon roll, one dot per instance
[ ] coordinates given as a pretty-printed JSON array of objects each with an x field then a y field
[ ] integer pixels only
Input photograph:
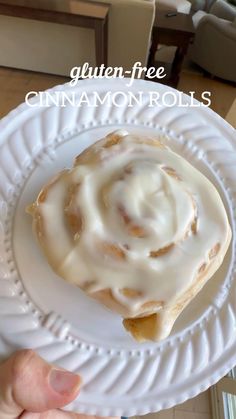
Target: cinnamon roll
[{"x": 135, "y": 226}]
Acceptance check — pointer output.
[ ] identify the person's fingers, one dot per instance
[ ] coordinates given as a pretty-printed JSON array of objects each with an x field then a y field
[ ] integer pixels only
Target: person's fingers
[
  {"x": 51, "y": 414},
  {"x": 28, "y": 383},
  {"x": 59, "y": 414}
]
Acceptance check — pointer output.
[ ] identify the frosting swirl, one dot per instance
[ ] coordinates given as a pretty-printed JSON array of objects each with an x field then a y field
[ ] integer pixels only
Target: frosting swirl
[{"x": 134, "y": 225}]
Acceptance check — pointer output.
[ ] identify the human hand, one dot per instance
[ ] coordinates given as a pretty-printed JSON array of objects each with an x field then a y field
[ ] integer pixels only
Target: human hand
[{"x": 32, "y": 389}]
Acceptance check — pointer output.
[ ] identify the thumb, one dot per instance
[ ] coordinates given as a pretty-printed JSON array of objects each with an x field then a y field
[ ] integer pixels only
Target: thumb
[{"x": 28, "y": 383}]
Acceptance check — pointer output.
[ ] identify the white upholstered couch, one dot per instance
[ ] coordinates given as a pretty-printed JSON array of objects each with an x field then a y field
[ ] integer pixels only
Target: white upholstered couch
[
  {"x": 54, "y": 48},
  {"x": 214, "y": 47}
]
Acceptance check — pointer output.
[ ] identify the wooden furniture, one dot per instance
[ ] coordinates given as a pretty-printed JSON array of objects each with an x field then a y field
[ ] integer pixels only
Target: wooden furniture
[
  {"x": 231, "y": 115},
  {"x": 68, "y": 12},
  {"x": 177, "y": 30},
  {"x": 182, "y": 6}
]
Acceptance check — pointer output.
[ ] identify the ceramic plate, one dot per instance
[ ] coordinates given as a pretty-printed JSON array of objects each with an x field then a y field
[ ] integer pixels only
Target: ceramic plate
[{"x": 39, "y": 310}]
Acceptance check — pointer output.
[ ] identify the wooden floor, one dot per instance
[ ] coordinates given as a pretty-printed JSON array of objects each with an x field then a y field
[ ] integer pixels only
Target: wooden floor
[
  {"x": 15, "y": 84},
  {"x": 197, "y": 408},
  {"x": 223, "y": 93}
]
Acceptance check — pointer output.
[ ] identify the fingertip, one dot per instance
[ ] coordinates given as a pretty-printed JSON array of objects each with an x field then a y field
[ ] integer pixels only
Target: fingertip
[{"x": 64, "y": 383}]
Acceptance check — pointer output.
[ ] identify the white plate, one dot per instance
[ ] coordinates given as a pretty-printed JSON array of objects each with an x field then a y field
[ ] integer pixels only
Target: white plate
[{"x": 41, "y": 311}]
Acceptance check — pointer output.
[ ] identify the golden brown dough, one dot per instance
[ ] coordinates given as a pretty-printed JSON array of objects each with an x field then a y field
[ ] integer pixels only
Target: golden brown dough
[{"x": 136, "y": 227}]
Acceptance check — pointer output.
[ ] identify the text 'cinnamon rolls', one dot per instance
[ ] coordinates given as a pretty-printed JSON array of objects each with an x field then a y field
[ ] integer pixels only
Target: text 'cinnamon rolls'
[{"x": 135, "y": 226}]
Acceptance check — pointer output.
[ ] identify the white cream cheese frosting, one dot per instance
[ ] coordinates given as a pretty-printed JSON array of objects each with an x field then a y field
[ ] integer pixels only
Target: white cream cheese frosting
[{"x": 134, "y": 218}]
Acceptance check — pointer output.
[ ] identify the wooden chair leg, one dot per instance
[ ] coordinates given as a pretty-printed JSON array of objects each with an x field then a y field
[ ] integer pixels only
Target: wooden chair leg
[{"x": 152, "y": 52}]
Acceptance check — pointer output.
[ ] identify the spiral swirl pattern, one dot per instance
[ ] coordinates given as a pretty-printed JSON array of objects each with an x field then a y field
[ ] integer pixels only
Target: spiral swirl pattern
[{"x": 129, "y": 224}]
